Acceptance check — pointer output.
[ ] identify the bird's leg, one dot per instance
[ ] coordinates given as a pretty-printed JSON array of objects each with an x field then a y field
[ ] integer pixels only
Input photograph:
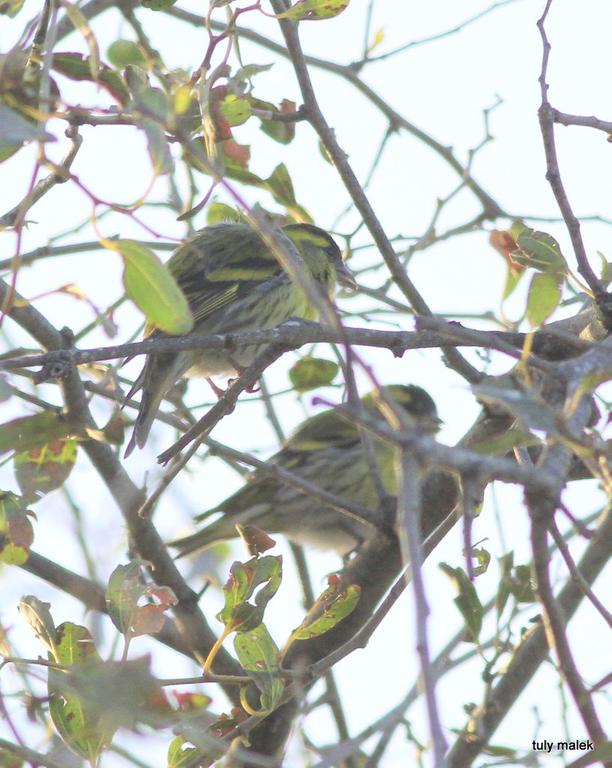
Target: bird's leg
[{"x": 219, "y": 391}]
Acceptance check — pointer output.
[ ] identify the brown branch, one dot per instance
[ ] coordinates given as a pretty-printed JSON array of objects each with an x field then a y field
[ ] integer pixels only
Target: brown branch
[
  {"x": 553, "y": 174},
  {"x": 191, "y": 623},
  {"x": 588, "y": 122},
  {"x": 528, "y": 656}
]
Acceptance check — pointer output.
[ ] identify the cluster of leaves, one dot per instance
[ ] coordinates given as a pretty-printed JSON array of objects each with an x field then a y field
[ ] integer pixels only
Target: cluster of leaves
[{"x": 89, "y": 698}]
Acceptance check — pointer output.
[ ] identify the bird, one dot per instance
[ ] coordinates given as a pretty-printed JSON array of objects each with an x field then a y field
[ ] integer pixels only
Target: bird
[
  {"x": 328, "y": 451},
  {"x": 233, "y": 282}
]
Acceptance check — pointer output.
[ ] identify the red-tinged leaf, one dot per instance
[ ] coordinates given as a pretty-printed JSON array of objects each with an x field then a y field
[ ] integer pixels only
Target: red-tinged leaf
[
  {"x": 125, "y": 591},
  {"x": 260, "y": 577},
  {"x": 190, "y": 701},
  {"x": 256, "y": 540},
  {"x": 504, "y": 243},
  {"x": 239, "y": 153},
  {"x": 16, "y": 532},
  {"x": 314, "y": 10},
  {"x": 30, "y": 432},
  {"x": 44, "y": 469}
]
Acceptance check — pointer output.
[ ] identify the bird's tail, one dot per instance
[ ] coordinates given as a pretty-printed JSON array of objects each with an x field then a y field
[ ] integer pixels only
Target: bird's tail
[{"x": 158, "y": 376}]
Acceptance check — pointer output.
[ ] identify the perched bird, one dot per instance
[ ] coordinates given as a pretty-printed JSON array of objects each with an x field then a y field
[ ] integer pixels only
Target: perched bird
[
  {"x": 233, "y": 282},
  {"x": 327, "y": 450}
]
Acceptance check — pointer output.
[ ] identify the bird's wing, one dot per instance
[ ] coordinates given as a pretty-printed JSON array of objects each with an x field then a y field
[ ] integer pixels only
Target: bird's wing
[
  {"x": 329, "y": 429},
  {"x": 216, "y": 269}
]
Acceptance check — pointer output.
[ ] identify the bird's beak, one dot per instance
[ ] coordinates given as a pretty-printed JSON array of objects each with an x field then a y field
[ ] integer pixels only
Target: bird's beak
[{"x": 345, "y": 277}]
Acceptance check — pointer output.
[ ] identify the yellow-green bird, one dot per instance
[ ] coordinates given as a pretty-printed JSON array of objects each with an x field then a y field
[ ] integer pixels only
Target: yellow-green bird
[
  {"x": 233, "y": 282},
  {"x": 327, "y": 450}
]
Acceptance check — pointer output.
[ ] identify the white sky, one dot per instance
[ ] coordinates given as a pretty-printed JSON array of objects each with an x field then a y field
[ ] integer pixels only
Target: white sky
[{"x": 443, "y": 88}]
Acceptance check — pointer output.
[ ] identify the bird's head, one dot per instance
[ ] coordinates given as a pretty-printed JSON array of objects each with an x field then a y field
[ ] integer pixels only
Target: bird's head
[{"x": 321, "y": 255}]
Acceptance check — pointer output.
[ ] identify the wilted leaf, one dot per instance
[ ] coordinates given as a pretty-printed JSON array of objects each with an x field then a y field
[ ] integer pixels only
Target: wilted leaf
[
  {"x": 153, "y": 289},
  {"x": 256, "y": 540}
]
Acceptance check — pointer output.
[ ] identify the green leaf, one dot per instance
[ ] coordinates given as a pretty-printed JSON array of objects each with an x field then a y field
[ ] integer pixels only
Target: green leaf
[
  {"x": 544, "y": 297},
  {"x": 314, "y": 10},
  {"x": 153, "y": 289},
  {"x": 512, "y": 280},
  {"x": 283, "y": 132},
  {"x": 529, "y": 407},
  {"x": 280, "y": 185},
  {"x": 260, "y": 577},
  {"x": 10, "y": 8},
  {"x": 540, "y": 251},
  {"x": 218, "y": 212},
  {"x": 10, "y": 759},
  {"x": 124, "y": 52},
  {"x": 312, "y": 372},
  {"x": 379, "y": 36},
  {"x": 522, "y": 584},
  {"x": 38, "y": 616},
  {"x": 340, "y": 606},
  {"x": 235, "y": 109},
  {"x": 181, "y": 754},
  {"x": 467, "y": 600},
  {"x": 250, "y": 70},
  {"x": 258, "y": 654},
  {"x": 41, "y": 470},
  {"x": 124, "y": 600},
  {"x": 15, "y": 129},
  {"x": 506, "y": 563},
  {"x": 80, "y": 23},
  {"x": 158, "y": 5},
  {"x": 77, "y": 67},
  {"x": 30, "y": 432},
  {"x": 16, "y": 532},
  {"x": 606, "y": 269},
  {"x": 505, "y": 442}
]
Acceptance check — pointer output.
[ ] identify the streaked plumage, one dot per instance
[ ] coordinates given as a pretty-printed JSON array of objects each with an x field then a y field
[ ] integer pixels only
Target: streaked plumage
[
  {"x": 233, "y": 282},
  {"x": 326, "y": 450}
]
